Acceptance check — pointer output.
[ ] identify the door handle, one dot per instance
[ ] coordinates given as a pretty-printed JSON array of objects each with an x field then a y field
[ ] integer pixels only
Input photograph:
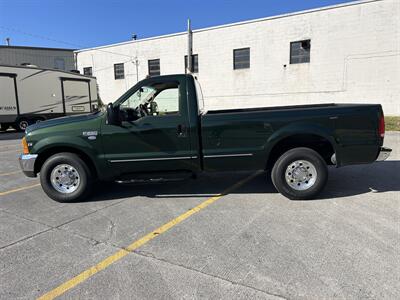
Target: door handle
[{"x": 181, "y": 130}]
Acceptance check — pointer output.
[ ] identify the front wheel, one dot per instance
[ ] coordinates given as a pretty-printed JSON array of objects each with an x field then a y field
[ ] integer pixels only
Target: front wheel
[
  {"x": 65, "y": 177},
  {"x": 299, "y": 174}
]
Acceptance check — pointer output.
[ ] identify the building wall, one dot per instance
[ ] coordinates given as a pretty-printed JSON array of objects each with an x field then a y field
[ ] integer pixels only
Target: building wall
[
  {"x": 355, "y": 57},
  {"x": 41, "y": 57}
]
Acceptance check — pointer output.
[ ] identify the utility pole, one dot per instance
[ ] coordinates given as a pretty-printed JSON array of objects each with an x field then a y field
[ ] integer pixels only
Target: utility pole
[{"x": 190, "y": 46}]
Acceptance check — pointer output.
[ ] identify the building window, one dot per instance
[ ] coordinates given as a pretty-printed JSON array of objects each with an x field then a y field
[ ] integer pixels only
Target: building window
[
  {"x": 300, "y": 52},
  {"x": 195, "y": 63},
  {"x": 59, "y": 63},
  {"x": 88, "y": 71},
  {"x": 241, "y": 58},
  {"x": 119, "y": 72},
  {"x": 154, "y": 67}
]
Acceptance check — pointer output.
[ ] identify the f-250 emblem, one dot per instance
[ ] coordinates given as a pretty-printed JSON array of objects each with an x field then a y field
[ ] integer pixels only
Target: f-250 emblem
[{"x": 91, "y": 135}]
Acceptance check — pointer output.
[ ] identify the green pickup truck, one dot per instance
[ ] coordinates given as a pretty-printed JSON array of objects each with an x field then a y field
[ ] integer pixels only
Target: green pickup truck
[{"x": 159, "y": 130}]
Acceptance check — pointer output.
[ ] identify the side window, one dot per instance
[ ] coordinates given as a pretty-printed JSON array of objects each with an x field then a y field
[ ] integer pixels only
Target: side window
[
  {"x": 168, "y": 101},
  {"x": 157, "y": 99}
]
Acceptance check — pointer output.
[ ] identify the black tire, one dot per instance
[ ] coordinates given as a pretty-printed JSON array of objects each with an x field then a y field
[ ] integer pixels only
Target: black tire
[
  {"x": 281, "y": 179},
  {"x": 22, "y": 124},
  {"x": 85, "y": 177}
]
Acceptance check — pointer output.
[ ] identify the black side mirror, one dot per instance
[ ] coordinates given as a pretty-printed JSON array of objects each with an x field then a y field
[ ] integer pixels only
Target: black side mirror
[{"x": 113, "y": 115}]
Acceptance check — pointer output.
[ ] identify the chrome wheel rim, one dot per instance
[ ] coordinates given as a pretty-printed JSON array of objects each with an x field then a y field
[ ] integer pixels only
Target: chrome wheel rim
[
  {"x": 65, "y": 179},
  {"x": 301, "y": 175},
  {"x": 23, "y": 125}
]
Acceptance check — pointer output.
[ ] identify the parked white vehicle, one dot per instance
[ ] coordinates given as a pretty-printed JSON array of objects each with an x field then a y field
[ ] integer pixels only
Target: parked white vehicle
[{"x": 31, "y": 94}]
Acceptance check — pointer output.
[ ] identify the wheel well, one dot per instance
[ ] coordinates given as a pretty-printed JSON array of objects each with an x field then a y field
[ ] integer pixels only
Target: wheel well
[
  {"x": 315, "y": 142},
  {"x": 49, "y": 152}
]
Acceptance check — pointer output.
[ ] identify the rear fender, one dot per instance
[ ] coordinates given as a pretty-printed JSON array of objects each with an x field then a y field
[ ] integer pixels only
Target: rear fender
[{"x": 300, "y": 129}]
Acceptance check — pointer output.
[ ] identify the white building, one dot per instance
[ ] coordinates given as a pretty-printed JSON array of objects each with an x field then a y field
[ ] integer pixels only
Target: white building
[{"x": 343, "y": 53}]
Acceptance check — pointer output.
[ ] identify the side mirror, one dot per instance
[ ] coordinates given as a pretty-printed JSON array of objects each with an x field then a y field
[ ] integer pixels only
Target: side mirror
[{"x": 112, "y": 115}]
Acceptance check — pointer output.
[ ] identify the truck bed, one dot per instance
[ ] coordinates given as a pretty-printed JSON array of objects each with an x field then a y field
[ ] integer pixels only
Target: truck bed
[{"x": 251, "y": 133}]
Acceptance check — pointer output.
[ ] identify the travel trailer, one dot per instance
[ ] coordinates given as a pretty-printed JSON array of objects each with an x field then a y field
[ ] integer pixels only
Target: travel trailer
[{"x": 30, "y": 94}]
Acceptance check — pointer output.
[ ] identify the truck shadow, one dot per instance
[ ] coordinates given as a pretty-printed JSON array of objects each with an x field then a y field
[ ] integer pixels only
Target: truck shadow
[
  {"x": 11, "y": 135},
  {"x": 344, "y": 182}
]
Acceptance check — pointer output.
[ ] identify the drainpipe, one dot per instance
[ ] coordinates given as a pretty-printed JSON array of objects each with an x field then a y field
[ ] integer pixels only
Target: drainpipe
[{"x": 190, "y": 45}]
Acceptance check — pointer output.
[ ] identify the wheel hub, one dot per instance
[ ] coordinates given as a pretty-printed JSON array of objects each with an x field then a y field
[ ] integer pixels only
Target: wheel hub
[
  {"x": 301, "y": 175},
  {"x": 65, "y": 178}
]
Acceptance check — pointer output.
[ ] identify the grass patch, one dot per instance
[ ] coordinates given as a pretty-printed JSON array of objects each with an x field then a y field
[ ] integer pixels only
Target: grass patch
[{"x": 392, "y": 123}]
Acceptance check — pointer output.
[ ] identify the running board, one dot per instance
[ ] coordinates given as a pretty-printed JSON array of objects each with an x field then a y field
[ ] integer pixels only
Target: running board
[{"x": 155, "y": 177}]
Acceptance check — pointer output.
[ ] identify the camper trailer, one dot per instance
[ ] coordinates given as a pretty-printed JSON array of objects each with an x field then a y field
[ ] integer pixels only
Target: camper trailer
[{"x": 30, "y": 94}]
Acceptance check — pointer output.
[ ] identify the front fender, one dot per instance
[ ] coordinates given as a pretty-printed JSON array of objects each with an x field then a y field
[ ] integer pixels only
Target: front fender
[{"x": 89, "y": 148}]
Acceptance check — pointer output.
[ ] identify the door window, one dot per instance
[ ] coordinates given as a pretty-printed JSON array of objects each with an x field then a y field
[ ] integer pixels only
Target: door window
[{"x": 158, "y": 99}]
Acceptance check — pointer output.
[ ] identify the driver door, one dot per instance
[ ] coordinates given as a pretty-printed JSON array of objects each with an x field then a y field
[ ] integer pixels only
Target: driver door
[{"x": 156, "y": 138}]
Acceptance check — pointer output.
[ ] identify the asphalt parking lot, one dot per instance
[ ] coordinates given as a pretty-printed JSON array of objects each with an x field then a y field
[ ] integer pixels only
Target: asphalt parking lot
[{"x": 251, "y": 243}]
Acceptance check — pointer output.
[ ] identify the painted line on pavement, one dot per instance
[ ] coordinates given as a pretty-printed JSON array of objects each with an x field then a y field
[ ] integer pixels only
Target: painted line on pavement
[
  {"x": 10, "y": 173},
  {"x": 19, "y": 189},
  {"x": 64, "y": 287}
]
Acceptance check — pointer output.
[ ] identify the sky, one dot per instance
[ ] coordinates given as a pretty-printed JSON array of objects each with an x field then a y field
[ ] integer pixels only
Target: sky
[{"x": 81, "y": 24}]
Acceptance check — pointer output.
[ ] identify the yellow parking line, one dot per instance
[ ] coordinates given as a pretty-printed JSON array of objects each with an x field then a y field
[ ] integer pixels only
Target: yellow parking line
[
  {"x": 10, "y": 173},
  {"x": 19, "y": 189},
  {"x": 61, "y": 289}
]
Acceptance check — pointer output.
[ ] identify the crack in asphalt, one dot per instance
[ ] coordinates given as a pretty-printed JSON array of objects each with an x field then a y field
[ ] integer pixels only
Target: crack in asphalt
[
  {"x": 150, "y": 255},
  {"x": 58, "y": 227}
]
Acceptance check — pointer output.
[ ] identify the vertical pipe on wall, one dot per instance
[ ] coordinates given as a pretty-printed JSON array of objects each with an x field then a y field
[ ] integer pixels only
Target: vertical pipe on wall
[{"x": 190, "y": 45}]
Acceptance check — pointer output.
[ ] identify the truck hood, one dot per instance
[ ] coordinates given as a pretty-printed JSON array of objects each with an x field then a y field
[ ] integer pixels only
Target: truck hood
[{"x": 62, "y": 121}]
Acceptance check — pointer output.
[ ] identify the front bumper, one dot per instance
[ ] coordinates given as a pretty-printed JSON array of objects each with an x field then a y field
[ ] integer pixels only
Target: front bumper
[
  {"x": 27, "y": 164},
  {"x": 383, "y": 154}
]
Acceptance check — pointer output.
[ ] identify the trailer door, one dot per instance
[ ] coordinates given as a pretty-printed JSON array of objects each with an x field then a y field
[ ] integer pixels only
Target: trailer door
[
  {"x": 76, "y": 96},
  {"x": 8, "y": 98}
]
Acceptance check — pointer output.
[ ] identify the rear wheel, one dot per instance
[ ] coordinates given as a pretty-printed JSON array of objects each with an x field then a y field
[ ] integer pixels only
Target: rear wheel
[
  {"x": 22, "y": 124},
  {"x": 65, "y": 177},
  {"x": 300, "y": 173}
]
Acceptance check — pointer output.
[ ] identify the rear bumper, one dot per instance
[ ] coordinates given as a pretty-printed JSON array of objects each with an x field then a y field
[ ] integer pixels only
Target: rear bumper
[
  {"x": 383, "y": 154},
  {"x": 27, "y": 164}
]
